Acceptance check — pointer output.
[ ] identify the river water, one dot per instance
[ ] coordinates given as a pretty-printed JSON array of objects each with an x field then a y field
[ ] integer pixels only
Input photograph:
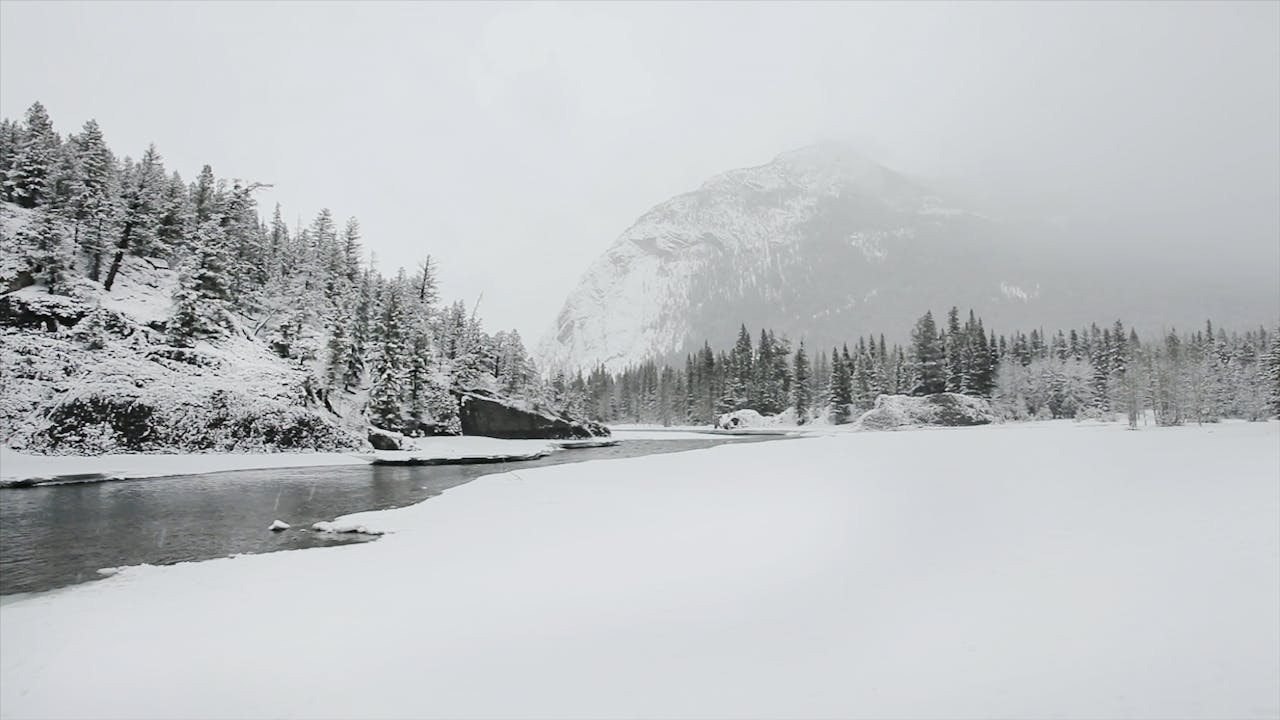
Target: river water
[{"x": 58, "y": 535}]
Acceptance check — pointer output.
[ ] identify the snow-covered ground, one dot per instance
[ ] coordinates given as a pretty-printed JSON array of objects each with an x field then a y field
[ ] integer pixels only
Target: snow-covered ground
[
  {"x": 18, "y": 467},
  {"x": 1034, "y": 570}
]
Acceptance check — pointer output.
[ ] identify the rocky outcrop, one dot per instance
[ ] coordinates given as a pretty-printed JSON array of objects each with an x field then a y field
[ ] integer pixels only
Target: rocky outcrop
[
  {"x": 38, "y": 310},
  {"x": 483, "y": 413},
  {"x": 111, "y": 391},
  {"x": 941, "y": 409}
]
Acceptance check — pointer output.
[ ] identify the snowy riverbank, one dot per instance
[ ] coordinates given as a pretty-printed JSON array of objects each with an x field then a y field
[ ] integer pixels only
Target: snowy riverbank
[
  {"x": 19, "y": 468},
  {"x": 1047, "y": 569}
]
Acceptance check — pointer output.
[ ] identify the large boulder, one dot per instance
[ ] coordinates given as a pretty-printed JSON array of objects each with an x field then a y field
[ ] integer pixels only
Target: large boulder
[
  {"x": 36, "y": 309},
  {"x": 941, "y": 409},
  {"x": 386, "y": 440},
  {"x": 483, "y": 413},
  {"x": 739, "y": 419}
]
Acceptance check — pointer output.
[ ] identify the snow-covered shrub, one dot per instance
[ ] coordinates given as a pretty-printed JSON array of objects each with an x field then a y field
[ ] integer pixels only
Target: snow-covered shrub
[
  {"x": 100, "y": 326},
  {"x": 1045, "y": 388}
]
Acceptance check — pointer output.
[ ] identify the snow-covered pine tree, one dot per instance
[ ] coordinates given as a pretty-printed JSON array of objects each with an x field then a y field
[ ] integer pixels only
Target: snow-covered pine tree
[
  {"x": 801, "y": 388},
  {"x": 364, "y": 309},
  {"x": 390, "y": 359},
  {"x": 205, "y": 200},
  {"x": 1271, "y": 372},
  {"x": 28, "y": 179},
  {"x": 10, "y": 140},
  {"x": 514, "y": 372},
  {"x": 953, "y": 351},
  {"x": 51, "y": 253},
  {"x": 762, "y": 376},
  {"x": 142, "y": 184},
  {"x": 246, "y": 248},
  {"x": 176, "y": 217},
  {"x": 351, "y": 251},
  {"x": 841, "y": 387},
  {"x": 202, "y": 296},
  {"x": 927, "y": 357},
  {"x": 737, "y": 386},
  {"x": 340, "y": 345}
]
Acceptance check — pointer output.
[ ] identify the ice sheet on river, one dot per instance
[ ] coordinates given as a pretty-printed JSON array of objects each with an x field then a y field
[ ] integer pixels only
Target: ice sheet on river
[{"x": 18, "y": 469}]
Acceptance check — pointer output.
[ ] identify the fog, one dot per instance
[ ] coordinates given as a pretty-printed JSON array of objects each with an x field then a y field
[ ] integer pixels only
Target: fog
[{"x": 515, "y": 142}]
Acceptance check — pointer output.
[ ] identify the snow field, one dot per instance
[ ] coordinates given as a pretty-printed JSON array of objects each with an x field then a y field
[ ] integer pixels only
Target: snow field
[{"x": 1037, "y": 570}]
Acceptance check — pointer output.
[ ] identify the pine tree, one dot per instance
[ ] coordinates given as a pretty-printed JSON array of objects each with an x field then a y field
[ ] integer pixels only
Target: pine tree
[
  {"x": 1271, "y": 365},
  {"x": 737, "y": 387},
  {"x": 351, "y": 251},
  {"x": 205, "y": 200},
  {"x": 953, "y": 348},
  {"x": 176, "y": 218},
  {"x": 50, "y": 253},
  {"x": 142, "y": 183},
  {"x": 386, "y": 394},
  {"x": 340, "y": 347},
  {"x": 201, "y": 296},
  {"x": 801, "y": 391},
  {"x": 841, "y": 387},
  {"x": 28, "y": 181},
  {"x": 927, "y": 355},
  {"x": 10, "y": 141},
  {"x": 360, "y": 330}
]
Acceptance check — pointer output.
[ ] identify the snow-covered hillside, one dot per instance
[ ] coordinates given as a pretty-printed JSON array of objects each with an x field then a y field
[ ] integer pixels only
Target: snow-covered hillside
[
  {"x": 827, "y": 245},
  {"x": 806, "y": 243},
  {"x": 104, "y": 378}
]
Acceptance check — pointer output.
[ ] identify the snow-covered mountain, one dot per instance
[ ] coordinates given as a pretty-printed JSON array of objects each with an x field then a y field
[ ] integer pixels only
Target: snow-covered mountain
[
  {"x": 821, "y": 243},
  {"x": 826, "y": 245}
]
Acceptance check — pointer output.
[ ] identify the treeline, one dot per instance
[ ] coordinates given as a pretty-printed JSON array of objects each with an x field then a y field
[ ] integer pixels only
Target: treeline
[
  {"x": 1202, "y": 376},
  {"x": 387, "y": 344}
]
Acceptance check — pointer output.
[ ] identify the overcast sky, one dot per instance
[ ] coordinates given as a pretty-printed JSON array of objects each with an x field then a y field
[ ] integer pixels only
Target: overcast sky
[{"x": 515, "y": 142}]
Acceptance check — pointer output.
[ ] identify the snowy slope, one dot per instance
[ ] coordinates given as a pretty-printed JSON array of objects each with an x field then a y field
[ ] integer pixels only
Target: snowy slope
[
  {"x": 120, "y": 387},
  {"x": 923, "y": 581}
]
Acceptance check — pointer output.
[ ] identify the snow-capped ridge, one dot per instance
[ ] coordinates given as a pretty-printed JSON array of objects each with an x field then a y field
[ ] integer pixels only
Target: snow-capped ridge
[{"x": 761, "y": 245}]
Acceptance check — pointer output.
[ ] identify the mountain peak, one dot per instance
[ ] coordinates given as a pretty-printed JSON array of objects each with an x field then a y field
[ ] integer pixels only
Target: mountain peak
[{"x": 804, "y": 243}]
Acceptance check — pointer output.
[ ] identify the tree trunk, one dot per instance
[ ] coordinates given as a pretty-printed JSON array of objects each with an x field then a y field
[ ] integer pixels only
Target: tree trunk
[{"x": 119, "y": 256}]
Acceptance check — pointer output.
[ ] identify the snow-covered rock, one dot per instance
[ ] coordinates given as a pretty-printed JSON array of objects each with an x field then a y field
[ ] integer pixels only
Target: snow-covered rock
[
  {"x": 742, "y": 419},
  {"x": 278, "y": 525},
  {"x": 942, "y": 409},
  {"x": 343, "y": 527}
]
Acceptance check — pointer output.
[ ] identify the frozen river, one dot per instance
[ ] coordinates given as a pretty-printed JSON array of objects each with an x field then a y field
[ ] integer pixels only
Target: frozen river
[{"x": 59, "y": 535}]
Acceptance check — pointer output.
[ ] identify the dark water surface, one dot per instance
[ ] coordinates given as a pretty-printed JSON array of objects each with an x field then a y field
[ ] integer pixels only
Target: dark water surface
[{"x": 57, "y": 535}]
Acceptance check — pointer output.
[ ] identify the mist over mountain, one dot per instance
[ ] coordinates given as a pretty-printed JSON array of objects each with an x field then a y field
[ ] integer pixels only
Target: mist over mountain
[{"x": 825, "y": 244}]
